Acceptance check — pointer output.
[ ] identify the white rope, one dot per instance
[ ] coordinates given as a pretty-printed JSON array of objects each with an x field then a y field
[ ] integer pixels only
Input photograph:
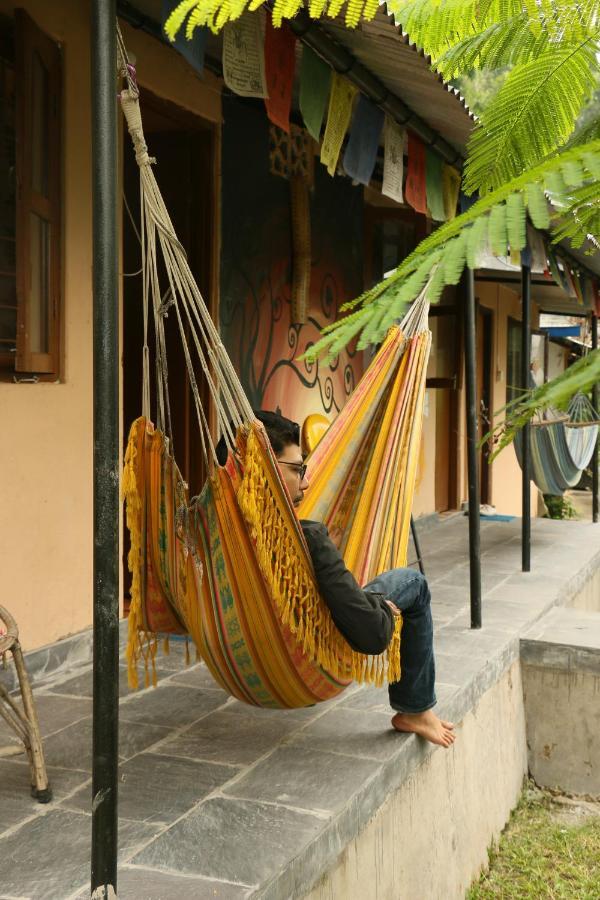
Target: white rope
[{"x": 196, "y": 327}]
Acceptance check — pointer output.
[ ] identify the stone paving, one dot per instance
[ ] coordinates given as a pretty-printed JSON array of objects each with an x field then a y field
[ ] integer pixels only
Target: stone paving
[{"x": 220, "y": 800}]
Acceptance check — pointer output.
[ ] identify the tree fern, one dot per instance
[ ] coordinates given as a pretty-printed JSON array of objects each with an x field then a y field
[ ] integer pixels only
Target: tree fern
[
  {"x": 214, "y": 14},
  {"x": 439, "y": 25},
  {"x": 497, "y": 218},
  {"x": 534, "y": 111}
]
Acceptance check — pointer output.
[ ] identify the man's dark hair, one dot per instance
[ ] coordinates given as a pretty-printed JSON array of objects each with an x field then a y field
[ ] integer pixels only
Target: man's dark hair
[{"x": 281, "y": 433}]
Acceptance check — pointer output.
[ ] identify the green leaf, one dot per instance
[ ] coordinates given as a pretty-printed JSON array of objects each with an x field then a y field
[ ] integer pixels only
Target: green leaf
[
  {"x": 537, "y": 204},
  {"x": 533, "y": 112},
  {"x": 516, "y": 222},
  {"x": 477, "y": 238},
  {"x": 498, "y": 234}
]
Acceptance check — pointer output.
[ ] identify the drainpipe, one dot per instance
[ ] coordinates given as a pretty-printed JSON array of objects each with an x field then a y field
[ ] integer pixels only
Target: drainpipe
[
  {"x": 106, "y": 449},
  {"x": 468, "y": 282},
  {"x": 525, "y": 385},
  {"x": 596, "y": 404}
]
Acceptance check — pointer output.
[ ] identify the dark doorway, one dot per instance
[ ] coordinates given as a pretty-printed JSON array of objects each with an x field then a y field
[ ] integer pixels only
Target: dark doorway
[{"x": 184, "y": 147}]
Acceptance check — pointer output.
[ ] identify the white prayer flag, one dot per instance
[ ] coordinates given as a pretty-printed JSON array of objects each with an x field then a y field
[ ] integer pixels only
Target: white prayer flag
[
  {"x": 393, "y": 160},
  {"x": 244, "y": 57}
]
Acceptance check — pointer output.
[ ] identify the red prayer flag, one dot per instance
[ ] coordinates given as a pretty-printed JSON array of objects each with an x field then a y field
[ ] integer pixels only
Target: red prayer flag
[
  {"x": 280, "y": 62},
  {"x": 415, "y": 191}
]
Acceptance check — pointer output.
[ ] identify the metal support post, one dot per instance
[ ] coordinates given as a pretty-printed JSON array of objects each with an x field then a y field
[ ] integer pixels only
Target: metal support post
[
  {"x": 596, "y": 404},
  {"x": 106, "y": 449},
  {"x": 468, "y": 281},
  {"x": 415, "y": 537},
  {"x": 525, "y": 385}
]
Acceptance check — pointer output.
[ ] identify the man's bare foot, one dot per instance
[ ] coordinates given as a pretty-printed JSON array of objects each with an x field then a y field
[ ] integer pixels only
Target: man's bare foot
[{"x": 427, "y": 725}]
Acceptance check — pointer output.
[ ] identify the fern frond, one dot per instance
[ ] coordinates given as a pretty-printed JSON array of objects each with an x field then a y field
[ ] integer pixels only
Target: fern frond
[
  {"x": 477, "y": 241},
  {"x": 532, "y": 114},
  {"x": 500, "y": 44},
  {"x": 581, "y": 376},
  {"x": 498, "y": 234},
  {"x": 516, "y": 222},
  {"x": 441, "y": 257},
  {"x": 538, "y": 206},
  {"x": 214, "y": 14},
  {"x": 439, "y": 25}
]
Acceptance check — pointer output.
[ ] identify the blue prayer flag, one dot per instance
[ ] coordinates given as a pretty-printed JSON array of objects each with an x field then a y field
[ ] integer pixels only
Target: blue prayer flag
[
  {"x": 361, "y": 152},
  {"x": 192, "y": 51}
]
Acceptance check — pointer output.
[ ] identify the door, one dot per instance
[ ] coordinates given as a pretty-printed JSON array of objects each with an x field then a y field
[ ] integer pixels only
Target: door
[
  {"x": 484, "y": 351},
  {"x": 183, "y": 147},
  {"x": 443, "y": 386}
]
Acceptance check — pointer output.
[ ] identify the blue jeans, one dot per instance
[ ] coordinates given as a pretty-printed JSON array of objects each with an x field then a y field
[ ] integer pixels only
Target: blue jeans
[{"x": 408, "y": 590}]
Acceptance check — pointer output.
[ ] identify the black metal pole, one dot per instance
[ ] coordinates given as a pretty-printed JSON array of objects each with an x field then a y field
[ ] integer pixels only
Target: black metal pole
[
  {"x": 468, "y": 280},
  {"x": 106, "y": 449},
  {"x": 596, "y": 404},
  {"x": 526, "y": 453},
  {"x": 415, "y": 537}
]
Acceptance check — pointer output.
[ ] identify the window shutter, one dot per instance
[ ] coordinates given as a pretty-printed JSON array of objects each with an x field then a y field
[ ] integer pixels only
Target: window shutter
[{"x": 38, "y": 226}]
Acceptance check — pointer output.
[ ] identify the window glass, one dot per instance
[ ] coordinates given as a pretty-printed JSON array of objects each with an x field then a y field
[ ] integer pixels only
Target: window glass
[
  {"x": 39, "y": 126},
  {"x": 513, "y": 362},
  {"x": 40, "y": 267}
]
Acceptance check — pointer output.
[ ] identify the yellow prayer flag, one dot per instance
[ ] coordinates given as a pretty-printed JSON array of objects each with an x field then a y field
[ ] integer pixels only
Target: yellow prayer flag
[
  {"x": 450, "y": 189},
  {"x": 339, "y": 114}
]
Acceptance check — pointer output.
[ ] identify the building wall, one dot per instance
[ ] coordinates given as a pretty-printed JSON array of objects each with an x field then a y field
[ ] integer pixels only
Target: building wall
[
  {"x": 506, "y": 474},
  {"x": 256, "y": 272},
  {"x": 46, "y": 453}
]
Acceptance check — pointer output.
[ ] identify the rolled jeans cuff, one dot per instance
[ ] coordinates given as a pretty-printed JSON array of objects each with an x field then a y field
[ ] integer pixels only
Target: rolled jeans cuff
[{"x": 412, "y": 712}]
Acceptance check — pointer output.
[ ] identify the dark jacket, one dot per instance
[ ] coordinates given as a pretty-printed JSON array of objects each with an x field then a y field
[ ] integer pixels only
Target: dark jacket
[{"x": 363, "y": 617}]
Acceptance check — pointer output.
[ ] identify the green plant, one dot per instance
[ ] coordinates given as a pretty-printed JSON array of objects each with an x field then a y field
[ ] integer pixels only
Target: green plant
[{"x": 559, "y": 507}]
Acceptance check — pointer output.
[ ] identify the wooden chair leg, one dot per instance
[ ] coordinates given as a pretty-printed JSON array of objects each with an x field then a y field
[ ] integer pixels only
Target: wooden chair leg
[{"x": 40, "y": 788}]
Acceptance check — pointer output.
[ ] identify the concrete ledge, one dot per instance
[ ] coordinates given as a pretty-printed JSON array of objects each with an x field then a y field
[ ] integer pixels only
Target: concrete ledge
[
  {"x": 283, "y": 805},
  {"x": 561, "y": 684}
]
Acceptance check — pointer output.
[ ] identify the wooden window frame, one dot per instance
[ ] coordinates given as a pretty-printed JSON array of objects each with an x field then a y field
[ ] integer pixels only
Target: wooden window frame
[{"x": 29, "y": 39}]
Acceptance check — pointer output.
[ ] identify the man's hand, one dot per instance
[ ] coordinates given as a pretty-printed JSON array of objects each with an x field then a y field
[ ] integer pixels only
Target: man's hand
[{"x": 394, "y": 608}]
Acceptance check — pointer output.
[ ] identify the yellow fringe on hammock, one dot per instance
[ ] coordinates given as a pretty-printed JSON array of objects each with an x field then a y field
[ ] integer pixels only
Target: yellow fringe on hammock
[
  {"x": 141, "y": 644},
  {"x": 285, "y": 564}
]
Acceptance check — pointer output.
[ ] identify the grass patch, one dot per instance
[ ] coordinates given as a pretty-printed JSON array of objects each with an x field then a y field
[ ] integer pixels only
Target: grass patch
[{"x": 543, "y": 854}]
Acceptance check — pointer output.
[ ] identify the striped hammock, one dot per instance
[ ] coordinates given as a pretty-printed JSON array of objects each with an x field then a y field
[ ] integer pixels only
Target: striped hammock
[
  {"x": 231, "y": 567},
  {"x": 561, "y": 446}
]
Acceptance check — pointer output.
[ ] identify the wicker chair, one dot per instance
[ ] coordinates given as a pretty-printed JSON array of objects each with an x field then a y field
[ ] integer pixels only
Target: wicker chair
[{"x": 23, "y": 720}]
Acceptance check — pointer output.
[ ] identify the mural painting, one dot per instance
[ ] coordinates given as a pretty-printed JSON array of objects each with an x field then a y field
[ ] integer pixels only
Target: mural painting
[{"x": 256, "y": 273}]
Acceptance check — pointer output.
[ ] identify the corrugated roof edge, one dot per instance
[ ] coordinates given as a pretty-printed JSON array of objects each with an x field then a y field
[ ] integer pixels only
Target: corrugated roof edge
[{"x": 383, "y": 8}]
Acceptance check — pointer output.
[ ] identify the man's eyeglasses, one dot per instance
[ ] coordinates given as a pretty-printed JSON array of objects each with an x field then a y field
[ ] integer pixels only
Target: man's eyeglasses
[{"x": 299, "y": 467}]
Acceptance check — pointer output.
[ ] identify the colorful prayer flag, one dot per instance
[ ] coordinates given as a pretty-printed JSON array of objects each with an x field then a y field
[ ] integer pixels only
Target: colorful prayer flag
[
  {"x": 193, "y": 50},
  {"x": 361, "y": 151},
  {"x": 415, "y": 191},
  {"x": 339, "y": 114},
  {"x": 535, "y": 242},
  {"x": 243, "y": 57},
  {"x": 433, "y": 185},
  {"x": 315, "y": 82},
  {"x": 280, "y": 63},
  {"x": 450, "y": 189},
  {"x": 393, "y": 160}
]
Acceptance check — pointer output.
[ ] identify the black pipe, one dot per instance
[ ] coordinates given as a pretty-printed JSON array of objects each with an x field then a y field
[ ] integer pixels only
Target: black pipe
[
  {"x": 596, "y": 405},
  {"x": 106, "y": 447},
  {"x": 525, "y": 386},
  {"x": 472, "y": 448},
  {"x": 415, "y": 537}
]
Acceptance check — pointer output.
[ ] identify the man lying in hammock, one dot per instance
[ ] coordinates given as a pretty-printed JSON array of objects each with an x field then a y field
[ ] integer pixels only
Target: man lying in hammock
[{"x": 365, "y": 617}]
